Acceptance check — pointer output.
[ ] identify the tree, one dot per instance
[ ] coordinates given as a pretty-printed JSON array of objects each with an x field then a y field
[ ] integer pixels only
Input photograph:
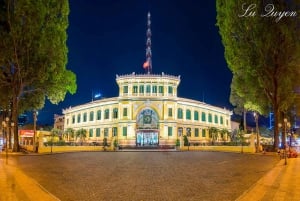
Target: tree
[
  {"x": 262, "y": 49},
  {"x": 81, "y": 133},
  {"x": 70, "y": 133},
  {"x": 224, "y": 134},
  {"x": 33, "y": 55},
  {"x": 213, "y": 134}
]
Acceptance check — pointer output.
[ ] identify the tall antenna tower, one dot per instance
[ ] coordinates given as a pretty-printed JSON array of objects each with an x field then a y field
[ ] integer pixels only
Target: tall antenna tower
[{"x": 148, "y": 64}]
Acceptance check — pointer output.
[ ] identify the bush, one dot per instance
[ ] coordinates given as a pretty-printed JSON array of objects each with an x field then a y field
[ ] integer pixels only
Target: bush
[{"x": 177, "y": 143}]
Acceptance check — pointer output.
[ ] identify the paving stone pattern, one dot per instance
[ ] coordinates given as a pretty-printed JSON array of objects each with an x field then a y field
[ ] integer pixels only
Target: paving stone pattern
[{"x": 143, "y": 176}]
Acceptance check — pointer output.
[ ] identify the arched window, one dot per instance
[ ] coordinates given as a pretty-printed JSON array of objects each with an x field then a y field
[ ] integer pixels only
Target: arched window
[
  {"x": 209, "y": 118},
  {"x": 84, "y": 117},
  {"x": 179, "y": 113},
  {"x": 203, "y": 118},
  {"x": 78, "y": 118},
  {"x": 99, "y": 115},
  {"x": 221, "y": 120},
  {"x": 188, "y": 114},
  {"x": 115, "y": 113},
  {"x": 196, "y": 115},
  {"x": 106, "y": 114},
  {"x": 92, "y": 116},
  {"x": 216, "y": 119}
]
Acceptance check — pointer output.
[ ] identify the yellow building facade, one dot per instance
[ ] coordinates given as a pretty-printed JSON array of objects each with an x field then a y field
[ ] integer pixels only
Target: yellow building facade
[{"x": 146, "y": 113}]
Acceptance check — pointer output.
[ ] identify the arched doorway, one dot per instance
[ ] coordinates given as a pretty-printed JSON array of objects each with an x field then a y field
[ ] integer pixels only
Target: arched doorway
[{"x": 147, "y": 133}]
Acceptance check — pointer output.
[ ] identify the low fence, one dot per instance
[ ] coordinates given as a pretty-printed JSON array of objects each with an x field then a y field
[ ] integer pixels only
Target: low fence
[
  {"x": 58, "y": 149},
  {"x": 244, "y": 149}
]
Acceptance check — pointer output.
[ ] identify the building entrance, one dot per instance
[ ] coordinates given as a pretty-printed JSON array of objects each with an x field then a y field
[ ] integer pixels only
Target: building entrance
[{"x": 147, "y": 138}]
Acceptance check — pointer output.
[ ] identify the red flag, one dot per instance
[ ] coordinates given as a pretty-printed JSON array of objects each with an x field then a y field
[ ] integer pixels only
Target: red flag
[{"x": 146, "y": 64}]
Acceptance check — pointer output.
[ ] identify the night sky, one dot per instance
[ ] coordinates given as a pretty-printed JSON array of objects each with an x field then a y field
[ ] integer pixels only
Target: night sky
[{"x": 107, "y": 37}]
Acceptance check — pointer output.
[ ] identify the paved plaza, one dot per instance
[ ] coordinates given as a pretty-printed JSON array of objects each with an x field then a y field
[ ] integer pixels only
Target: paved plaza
[{"x": 144, "y": 175}]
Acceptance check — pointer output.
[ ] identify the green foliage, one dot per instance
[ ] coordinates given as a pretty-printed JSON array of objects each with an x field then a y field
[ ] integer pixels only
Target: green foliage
[
  {"x": 81, "y": 133},
  {"x": 213, "y": 134},
  {"x": 185, "y": 140},
  {"x": 177, "y": 143},
  {"x": 33, "y": 54},
  {"x": 115, "y": 143},
  {"x": 263, "y": 55},
  {"x": 105, "y": 142}
]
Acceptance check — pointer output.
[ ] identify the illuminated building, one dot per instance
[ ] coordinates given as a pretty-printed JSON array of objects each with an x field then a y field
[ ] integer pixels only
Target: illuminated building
[{"x": 147, "y": 112}]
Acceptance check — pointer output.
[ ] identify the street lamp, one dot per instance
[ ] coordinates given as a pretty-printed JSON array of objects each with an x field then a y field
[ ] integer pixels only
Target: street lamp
[{"x": 257, "y": 132}]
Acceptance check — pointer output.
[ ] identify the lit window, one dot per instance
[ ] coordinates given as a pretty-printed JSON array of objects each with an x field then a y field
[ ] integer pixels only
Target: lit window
[
  {"x": 203, "y": 117},
  {"x": 170, "y": 131},
  {"x": 115, "y": 113},
  {"x": 148, "y": 89},
  {"x": 125, "y": 89},
  {"x": 92, "y": 116},
  {"x": 105, "y": 132},
  {"x": 115, "y": 131},
  {"x": 124, "y": 131},
  {"x": 170, "y": 90},
  {"x": 154, "y": 89},
  {"x": 216, "y": 119},
  {"x": 78, "y": 118},
  {"x": 196, "y": 115},
  {"x": 106, "y": 114},
  {"x": 98, "y": 132},
  {"x": 135, "y": 89},
  {"x": 125, "y": 112},
  {"x": 91, "y": 132},
  {"x": 196, "y": 132},
  {"x": 161, "y": 89},
  {"x": 170, "y": 112},
  {"x": 209, "y": 118},
  {"x": 188, "y": 132},
  {"x": 84, "y": 117},
  {"x": 99, "y": 115},
  {"x": 180, "y": 113},
  {"x": 188, "y": 114},
  {"x": 141, "y": 89}
]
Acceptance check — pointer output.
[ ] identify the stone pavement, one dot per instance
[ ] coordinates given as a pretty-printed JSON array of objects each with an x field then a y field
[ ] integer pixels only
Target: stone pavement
[
  {"x": 15, "y": 185},
  {"x": 280, "y": 184}
]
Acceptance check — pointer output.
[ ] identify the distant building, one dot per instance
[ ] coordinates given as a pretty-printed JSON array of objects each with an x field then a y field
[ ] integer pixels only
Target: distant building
[{"x": 59, "y": 121}]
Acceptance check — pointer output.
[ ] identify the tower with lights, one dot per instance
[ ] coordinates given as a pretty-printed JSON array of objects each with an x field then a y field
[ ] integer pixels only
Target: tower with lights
[{"x": 148, "y": 63}]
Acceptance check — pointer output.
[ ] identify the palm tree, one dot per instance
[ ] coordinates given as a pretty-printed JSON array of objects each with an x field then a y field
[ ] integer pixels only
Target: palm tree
[
  {"x": 224, "y": 134},
  {"x": 70, "y": 133},
  {"x": 55, "y": 132},
  {"x": 81, "y": 133},
  {"x": 213, "y": 134}
]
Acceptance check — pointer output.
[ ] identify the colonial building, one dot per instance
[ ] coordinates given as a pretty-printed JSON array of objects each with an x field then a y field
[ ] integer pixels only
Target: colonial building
[{"x": 147, "y": 112}]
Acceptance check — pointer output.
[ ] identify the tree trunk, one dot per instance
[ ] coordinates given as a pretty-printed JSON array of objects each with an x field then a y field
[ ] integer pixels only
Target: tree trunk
[
  {"x": 276, "y": 128},
  {"x": 245, "y": 120},
  {"x": 14, "y": 107}
]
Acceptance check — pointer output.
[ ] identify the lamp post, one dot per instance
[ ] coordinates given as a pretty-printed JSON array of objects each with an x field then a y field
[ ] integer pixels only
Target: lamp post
[
  {"x": 257, "y": 131},
  {"x": 35, "y": 113}
]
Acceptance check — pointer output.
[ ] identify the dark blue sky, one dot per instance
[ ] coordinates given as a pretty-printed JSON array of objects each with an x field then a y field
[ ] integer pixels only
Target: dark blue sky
[{"x": 107, "y": 37}]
